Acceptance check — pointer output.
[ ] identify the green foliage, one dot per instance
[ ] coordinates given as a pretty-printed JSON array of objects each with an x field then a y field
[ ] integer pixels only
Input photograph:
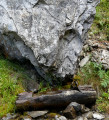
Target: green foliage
[
  {"x": 105, "y": 78},
  {"x": 11, "y": 76},
  {"x": 93, "y": 73},
  {"x": 94, "y": 70},
  {"x": 106, "y": 95},
  {"x": 45, "y": 87},
  {"x": 88, "y": 73},
  {"x": 100, "y": 26},
  {"x": 103, "y": 75},
  {"x": 103, "y": 102},
  {"x": 42, "y": 88}
]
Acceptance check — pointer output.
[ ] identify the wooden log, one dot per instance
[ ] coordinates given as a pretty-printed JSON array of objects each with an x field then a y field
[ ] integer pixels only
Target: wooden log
[{"x": 58, "y": 99}]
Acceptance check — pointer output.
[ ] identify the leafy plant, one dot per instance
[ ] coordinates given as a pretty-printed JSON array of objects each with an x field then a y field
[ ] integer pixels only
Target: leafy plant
[
  {"x": 93, "y": 73},
  {"x": 43, "y": 88},
  {"x": 106, "y": 95},
  {"x": 103, "y": 102},
  {"x": 100, "y": 26},
  {"x": 93, "y": 69}
]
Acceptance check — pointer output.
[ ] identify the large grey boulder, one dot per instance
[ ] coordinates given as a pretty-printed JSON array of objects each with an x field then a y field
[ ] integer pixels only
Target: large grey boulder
[{"x": 49, "y": 33}]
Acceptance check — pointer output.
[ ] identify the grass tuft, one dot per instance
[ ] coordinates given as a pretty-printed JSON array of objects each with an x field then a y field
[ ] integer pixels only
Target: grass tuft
[
  {"x": 100, "y": 26},
  {"x": 11, "y": 76}
]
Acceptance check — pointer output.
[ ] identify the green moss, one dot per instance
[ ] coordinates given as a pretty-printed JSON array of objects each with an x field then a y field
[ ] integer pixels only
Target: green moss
[
  {"x": 67, "y": 86},
  {"x": 52, "y": 115}
]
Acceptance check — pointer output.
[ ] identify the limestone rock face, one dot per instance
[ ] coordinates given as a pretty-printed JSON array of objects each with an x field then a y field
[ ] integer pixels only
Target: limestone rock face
[{"x": 49, "y": 33}]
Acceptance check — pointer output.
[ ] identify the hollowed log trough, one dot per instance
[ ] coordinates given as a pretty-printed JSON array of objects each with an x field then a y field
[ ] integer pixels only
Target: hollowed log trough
[{"x": 62, "y": 98}]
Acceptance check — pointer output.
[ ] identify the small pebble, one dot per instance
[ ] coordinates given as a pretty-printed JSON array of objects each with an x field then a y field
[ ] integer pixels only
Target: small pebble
[
  {"x": 98, "y": 116},
  {"x": 88, "y": 115}
]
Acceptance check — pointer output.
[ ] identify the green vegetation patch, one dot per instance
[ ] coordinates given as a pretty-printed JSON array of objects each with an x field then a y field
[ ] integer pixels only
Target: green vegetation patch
[
  {"x": 100, "y": 27},
  {"x": 94, "y": 74},
  {"x": 11, "y": 76}
]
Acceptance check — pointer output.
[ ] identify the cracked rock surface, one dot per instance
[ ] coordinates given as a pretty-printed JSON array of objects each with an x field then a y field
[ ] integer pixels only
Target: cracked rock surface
[{"x": 49, "y": 33}]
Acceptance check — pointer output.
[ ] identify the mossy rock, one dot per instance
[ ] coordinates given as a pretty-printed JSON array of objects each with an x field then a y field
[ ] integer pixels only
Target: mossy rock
[
  {"x": 67, "y": 86},
  {"x": 52, "y": 115},
  {"x": 76, "y": 77}
]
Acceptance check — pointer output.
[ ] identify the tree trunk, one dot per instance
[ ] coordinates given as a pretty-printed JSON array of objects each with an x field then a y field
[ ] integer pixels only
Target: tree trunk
[{"x": 26, "y": 101}]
